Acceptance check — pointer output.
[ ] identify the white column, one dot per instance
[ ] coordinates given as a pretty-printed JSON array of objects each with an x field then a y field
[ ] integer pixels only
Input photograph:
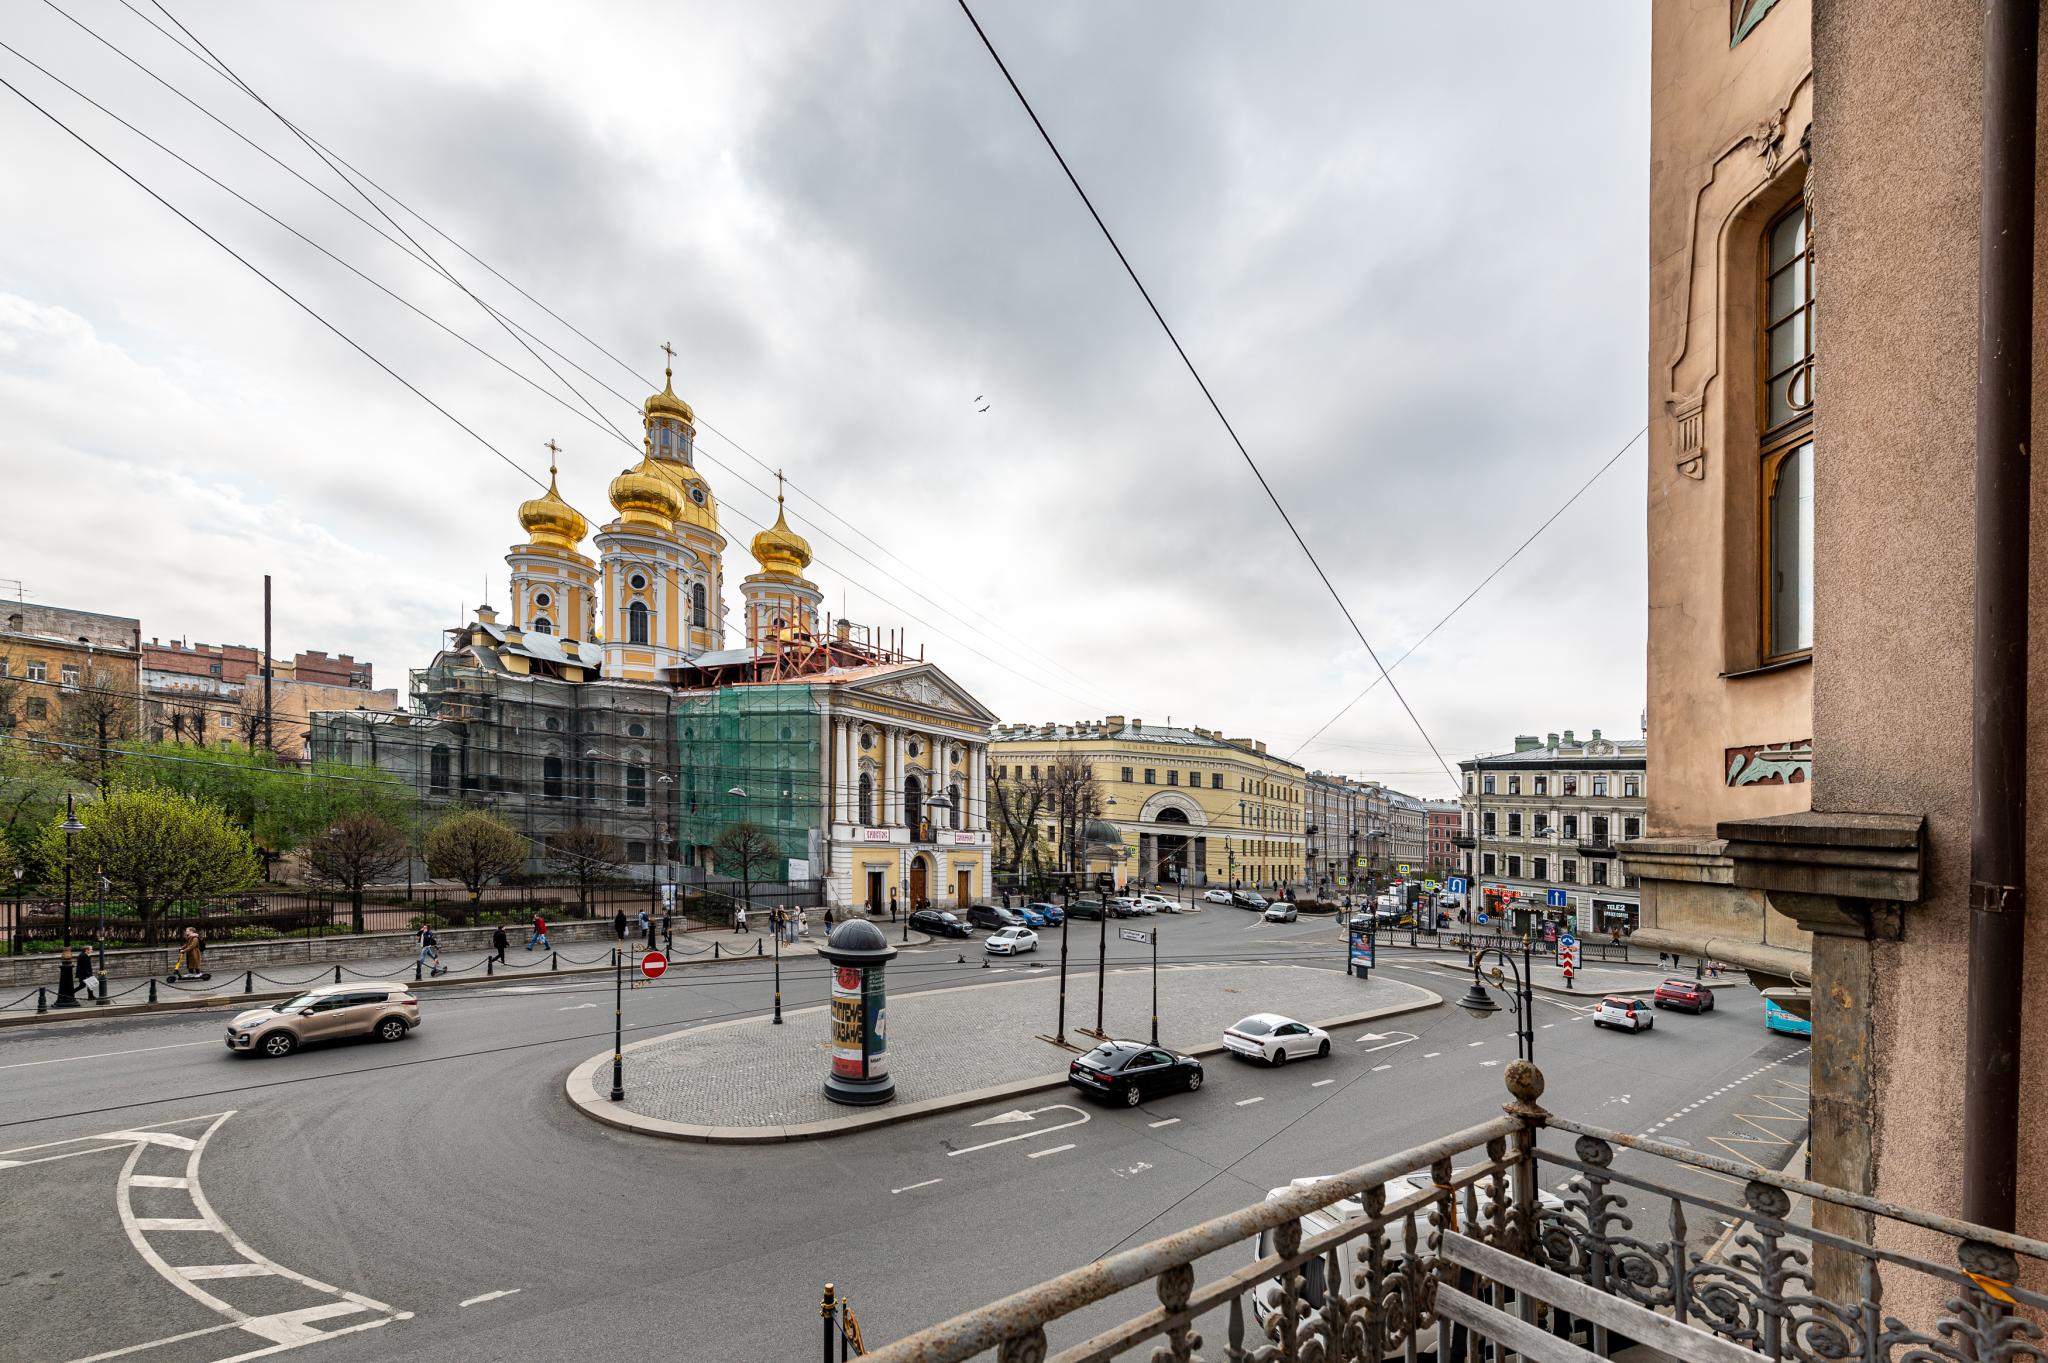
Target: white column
[
  {"x": 892, "y": 778},
  {"x": 978, "y": 758}
]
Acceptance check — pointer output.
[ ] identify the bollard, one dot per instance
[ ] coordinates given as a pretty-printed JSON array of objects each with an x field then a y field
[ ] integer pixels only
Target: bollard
[
  {"x": 249, "y": 982},
  {"x": 758, "y": 951},
  {"x": 152, "y": 989},
  {"x": 714, "y": 951},
  {"x": 490, "y": 965},
  {"x": 42, "y": 999},
  {"x": 416, "y": 970},
  {"x": 554, "y": 961},
  {"x": 337, "y": 974},
  {"x": 827, "y": 1309}
]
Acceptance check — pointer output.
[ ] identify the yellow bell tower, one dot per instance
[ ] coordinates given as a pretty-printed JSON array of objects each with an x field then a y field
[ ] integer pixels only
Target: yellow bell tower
[
  {"x": 779, "y": 601},
  {"x": 554, "y": 583}
]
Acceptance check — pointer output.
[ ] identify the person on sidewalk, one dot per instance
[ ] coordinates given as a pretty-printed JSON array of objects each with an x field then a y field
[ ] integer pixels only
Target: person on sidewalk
[
  {"x": 646, "y": 929},
  {"x": 892, "y": 906},
  {"x": 84, "y": 972},
  {"x": 828, "y": 920},
  {"x": 739, "y": 918},
  {"x": 430, "y": 951},
  {"x": 540, "y": 934},
  {"x": 619, "y": 925},
  {"x": 668, "y": 931},
  {"x": 499, "y": 941}
]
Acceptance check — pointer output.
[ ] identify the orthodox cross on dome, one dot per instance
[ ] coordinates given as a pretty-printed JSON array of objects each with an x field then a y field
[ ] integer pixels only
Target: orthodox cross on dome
[
  {"x": 554, "y": 455},
  {"x": 778, "y": 489},
  {"x": 669, "y": 370}
]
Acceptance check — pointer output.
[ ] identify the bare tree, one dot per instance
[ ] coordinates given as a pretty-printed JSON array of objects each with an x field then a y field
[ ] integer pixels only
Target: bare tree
[
  {"x": 97, "y": 714},
  {"x": 1016, "y": 803},
  {"x": 1072, "y": 799},
  {"x": 588, "y": 855},
  {"x": 358, "y": 847},
  {"x": 746, "y": 848}
]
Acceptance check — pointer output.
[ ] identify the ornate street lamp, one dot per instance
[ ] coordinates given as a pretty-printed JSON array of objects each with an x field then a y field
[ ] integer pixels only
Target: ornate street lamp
[
  {"x": 1479, "y": 1004},
  {"x": 67, "y": 989}
]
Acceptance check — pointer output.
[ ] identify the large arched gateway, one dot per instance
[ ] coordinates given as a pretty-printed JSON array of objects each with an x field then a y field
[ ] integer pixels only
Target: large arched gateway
[{"x": 1172, "y": 841}]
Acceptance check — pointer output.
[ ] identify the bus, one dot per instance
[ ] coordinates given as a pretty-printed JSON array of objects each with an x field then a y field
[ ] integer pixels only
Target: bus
[{"x": 1780, "y": 1019}]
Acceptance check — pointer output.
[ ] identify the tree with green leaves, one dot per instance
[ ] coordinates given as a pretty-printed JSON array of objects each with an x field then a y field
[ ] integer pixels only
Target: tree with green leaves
[
  {"x": 587, "y": 855},
  {"x": 158, "y": 848},
  {"x": 475, "y": 847},
  {"x": 31, "y": 795},
  {"x": 360, "y": 846},
  {"x": 745, "y": 849}
]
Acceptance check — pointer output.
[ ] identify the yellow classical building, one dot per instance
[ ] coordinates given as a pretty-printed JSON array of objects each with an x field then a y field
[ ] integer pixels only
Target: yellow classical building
[{"x": 1193, "y": 807}]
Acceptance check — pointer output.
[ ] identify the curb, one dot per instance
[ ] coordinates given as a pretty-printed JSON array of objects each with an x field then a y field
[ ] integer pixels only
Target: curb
[
  {"x": 86, "y": 1012},
  {"x": 1633, "y": 991},
  {"x": 582, "y": 1092}
]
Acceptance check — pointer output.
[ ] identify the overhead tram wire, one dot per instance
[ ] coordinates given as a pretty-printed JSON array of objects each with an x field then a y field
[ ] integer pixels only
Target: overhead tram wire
[
  {"x": 1462, "y": 602},
  {"x": 1214, "y": 406},
  {"x": 1009, "y": 666},
  {"x": 419, "y": 253}
]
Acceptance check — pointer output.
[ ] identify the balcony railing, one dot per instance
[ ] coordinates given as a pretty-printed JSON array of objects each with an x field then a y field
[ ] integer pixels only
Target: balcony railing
[
  {"x": 1470, "y": 1262},
  {"x": 1598, "y": 847}
]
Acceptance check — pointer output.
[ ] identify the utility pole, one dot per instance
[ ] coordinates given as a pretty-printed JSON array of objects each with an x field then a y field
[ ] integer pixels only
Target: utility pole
[{"x": 269, "y": 731}]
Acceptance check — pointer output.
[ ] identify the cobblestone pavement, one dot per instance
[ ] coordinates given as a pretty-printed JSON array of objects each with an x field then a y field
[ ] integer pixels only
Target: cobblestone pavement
[{"x": 952, "y": 1041}]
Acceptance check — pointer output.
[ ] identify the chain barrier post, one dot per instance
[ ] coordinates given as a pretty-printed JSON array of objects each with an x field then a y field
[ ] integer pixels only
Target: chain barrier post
[
  {"x": 152, "y": 989},
  {"x": 249, "y": 982},
  {"x": 714, "y": 951},
  {"x": 554, "y": 961},
  {"x": 337, "y": 974},
  {"x": 827, "y": 1309},
  {"x": 490, "y": 965},
  {"x": 42, "y": 998},
  {"x": 416, "y": 970},
  {"x": 757, "y": 947}
]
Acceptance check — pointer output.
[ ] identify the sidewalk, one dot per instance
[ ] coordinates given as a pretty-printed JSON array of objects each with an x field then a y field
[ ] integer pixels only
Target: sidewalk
[
  {"x": 1591, "y": 981},
  {"x": 130, "y": 995},
  {"x": 749, "y": 1081}
]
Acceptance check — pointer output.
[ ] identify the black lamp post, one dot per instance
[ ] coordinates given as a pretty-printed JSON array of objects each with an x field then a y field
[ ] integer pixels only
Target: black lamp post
[
  {"x": 1066, "y": 918},
  {"x": 1099, "y": 835},
  {"x": 774, "y": 919},
  {"x": 1479, "y": 1004},
  {"x": 16, "y": 947},
  {"x": 67, "y": 989}
]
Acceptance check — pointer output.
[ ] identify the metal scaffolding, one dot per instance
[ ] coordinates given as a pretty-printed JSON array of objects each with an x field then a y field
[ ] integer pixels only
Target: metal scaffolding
[{"x": 765, "y": 741}]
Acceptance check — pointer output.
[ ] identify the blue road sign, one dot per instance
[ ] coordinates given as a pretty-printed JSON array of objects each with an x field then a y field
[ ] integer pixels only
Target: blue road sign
[
  {"x": 1555, "y": 899},
  {"x": 1455, "y": 885},
  {"x": 1567, "y": 942}
]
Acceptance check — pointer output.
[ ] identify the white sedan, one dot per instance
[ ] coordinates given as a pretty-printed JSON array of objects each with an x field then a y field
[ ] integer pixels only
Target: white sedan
[
  {"x": 1010, "y": 941},
  {"x": 1216, "y": 896},
  {"x": 1159, "y": 903},
  {"x": 1273, "y": 1039}
]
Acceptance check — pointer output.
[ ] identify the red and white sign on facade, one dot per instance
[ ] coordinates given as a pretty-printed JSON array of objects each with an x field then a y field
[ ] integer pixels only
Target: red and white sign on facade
[{"x": 653, "y": 964}]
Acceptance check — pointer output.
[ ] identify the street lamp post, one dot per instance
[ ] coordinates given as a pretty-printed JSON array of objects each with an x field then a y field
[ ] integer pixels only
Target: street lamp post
[
  {"x": 1479, "y": 1004},
  {"x": 927, "y": 803},
  {"x": 16, "y": 944},
  {"x": 1066, "y": 918},
  {"x": 1101, "y": 835},
  {"x": 67, "y": 989},
  {"x": 747, "y": 908}
]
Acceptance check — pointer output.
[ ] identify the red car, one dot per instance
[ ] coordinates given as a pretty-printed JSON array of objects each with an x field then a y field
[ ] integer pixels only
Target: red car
[{"x": 1684, "y": 994}]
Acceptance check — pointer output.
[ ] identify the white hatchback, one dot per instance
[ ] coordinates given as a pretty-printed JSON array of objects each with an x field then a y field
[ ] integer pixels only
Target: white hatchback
[
  {"x": 1631, "y": 1015},
  {"x": 1010, "y": 941},
  {"x": 1216, "y": 896},
  {"x": 1275, "y": 1039}
]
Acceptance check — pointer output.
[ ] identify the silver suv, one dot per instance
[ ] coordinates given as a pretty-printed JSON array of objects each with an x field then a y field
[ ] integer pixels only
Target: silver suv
[{"x": 385, "y": 1011}]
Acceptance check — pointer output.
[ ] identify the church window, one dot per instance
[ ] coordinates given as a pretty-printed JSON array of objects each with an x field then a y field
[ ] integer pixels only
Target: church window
[
  {"x": 553, "y": 723},
  {"x": 541, "y": 598},
  {"x": 437, "y": 770},
  {"x": 638, "y": 582},
  {"x": 867, "y": 798},
  {"x": 636, "y": 623},
  {"x": 867, "y": 739},
  {"x": 551, "y": 777},
  {"x": 913, "y": 748},
  {"x": 543, "y": 625},
  {"x": 697, "y": 495},
  {"x": 697, "y": 611},
  {"x": 953, "y": 794},
  {"x": 636, "y": 786},
  {"x": 636, "y": 730}
]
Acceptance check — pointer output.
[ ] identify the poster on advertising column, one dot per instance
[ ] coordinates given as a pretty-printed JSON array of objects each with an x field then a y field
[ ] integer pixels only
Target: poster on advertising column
[
  {"x": 878, "y": 1022},
  {"x": 849, "y": 1017}
]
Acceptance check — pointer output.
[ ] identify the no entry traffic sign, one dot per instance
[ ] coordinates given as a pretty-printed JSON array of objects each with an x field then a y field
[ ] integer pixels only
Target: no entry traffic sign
[{"x": 653, "y": 964}]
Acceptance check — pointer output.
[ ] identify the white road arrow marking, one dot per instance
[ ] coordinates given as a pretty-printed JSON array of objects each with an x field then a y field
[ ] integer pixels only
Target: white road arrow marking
[
  {"x": 1387, "y": 1040},
  {"x": 1015, "y": 1114},
  {"x": 1079, "y": 1118},
  {"x": 574, "y": 1006}
]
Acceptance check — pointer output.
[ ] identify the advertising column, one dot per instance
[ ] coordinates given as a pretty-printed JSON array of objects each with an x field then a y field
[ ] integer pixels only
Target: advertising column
[{"x": 859, "y": 1067}]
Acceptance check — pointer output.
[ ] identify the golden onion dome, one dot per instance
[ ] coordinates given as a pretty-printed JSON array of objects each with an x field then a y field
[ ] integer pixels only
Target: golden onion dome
[
  {"x": 697, "y": 506},
  {"x": 666, "y": 403},
  {"x": 780, "y": 549},
  {"x": 643, "y": 496},
  {"x": 548, "y": 520}
]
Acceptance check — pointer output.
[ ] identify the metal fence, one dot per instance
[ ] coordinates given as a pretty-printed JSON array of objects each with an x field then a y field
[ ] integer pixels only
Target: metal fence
[
  {"x": 1449, "y": 1251},
  {"x": 37, "y": 923}
]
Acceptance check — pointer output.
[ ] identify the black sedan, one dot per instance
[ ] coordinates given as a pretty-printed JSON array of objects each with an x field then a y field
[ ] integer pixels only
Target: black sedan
[
  {"x": 1090, "y": 909},
  {"x": 1129, "y": 1072},
  {"x": 939, "y": 923}
]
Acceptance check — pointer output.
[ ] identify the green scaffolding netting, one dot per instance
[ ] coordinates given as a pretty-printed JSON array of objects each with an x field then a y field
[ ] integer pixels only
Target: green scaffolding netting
[{"x": 765, "y": 741}]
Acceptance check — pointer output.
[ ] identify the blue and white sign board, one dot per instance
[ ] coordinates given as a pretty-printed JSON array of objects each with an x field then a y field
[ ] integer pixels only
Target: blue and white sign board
[
  {"x": 1361, "y": 950},
  {"x": 1554, "y": 898},
  {"x": 1456, "y": 885}
]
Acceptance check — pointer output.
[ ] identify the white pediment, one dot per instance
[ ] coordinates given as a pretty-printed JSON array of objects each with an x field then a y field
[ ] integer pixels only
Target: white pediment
[{"x": 928, "y": 689}]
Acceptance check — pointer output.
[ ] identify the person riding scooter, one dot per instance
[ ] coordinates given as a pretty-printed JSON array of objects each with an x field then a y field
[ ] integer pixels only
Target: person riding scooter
[{"x": 191, "y": 963}]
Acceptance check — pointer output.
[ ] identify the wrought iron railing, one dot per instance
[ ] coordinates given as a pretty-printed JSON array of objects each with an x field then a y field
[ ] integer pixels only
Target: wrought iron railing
[{"x": 1622, "y": 1241}]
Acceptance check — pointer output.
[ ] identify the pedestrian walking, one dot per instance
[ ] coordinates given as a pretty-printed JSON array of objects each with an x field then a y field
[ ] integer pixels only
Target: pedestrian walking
[
  {"x": 430, "y": 951},
  {"x": 668, "y": 930},
  {"x": 828, "y": 920},
  {"x": 619, "y": 925},
  {"x": 540, "y": 934},
  {"x": 799, "y": 928},
  {"x": 85, "y": 980},
  {"x": 739, "y": 919},
  {"x": 647, "y": 929},
  {"x": 892, "y": 906},
  {"x": 499, "y": 942}
]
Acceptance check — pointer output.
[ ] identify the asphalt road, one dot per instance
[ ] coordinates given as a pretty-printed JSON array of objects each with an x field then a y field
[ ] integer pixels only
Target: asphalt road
[{"x": 440, "y": 1199}]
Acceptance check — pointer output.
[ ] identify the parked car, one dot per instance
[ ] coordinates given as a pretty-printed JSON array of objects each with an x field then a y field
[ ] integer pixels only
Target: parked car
[
  {"x": 939, "y": 923},
  {"x": 1217, "y": 896},
  {"x": 1052, "y": 913},
  {"x": 1273, "y": 1039},
  {"x": 1085, "y": 909},
  {"x": 1010, "y": 942},
  {"x": 1281, "y": 911},
  {"x": 1267, "y": 1296},
  {"x": 990, "y": 916},
  {"x": 1129, "y": 1072},
  {"x": 326, "y": 1012},
  {"x": 1124, "y": 907},
  {"x": 1159, "y": 903},
  {"x": 1031, "y": 915},
  {"x": 1248, "y": 899},
  {"x": 1684, "y": 994},
  {"x": 1632, "y": 1014},
  {"x": 1364, "y": 918}
]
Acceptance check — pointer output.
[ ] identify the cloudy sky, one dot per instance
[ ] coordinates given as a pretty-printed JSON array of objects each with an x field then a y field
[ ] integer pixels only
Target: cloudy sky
[{"x": 1405, "y": 245}]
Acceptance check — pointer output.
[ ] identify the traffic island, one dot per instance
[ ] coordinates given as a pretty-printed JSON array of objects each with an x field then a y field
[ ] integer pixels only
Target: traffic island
[{"x": 749, "y": 1081}]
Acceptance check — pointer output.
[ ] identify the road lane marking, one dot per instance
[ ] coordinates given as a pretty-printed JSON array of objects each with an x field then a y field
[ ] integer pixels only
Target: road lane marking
[
  {"x": 492, "y": 1296},
  {"x": 195, "y": 1272},
  {"x": 155, "y": 1343},
  {"x": 1041, "y": 1154},
  {"x": 166, "y": 1138},
  {"x": 1079, "y": 1115},
  {"x": 1548, "y": 1025},
  {"x": 108, "y": 1055},
  {"x": 1377, "y": 1068},
  {"x": 1386, "y": 1045},
  {"x": 1320, "y": 1082},
  {"x": 1168, "y": 1121},
  {"x": 908, "y": 1188},
  {"x": 1470, "y": 1044},
  {"x": 159, "y": 1181},
  {"x": 1247, "y": 1102},
  {"x": 1431, "y": 1055},
  {"x": 172, "y": 1223}
]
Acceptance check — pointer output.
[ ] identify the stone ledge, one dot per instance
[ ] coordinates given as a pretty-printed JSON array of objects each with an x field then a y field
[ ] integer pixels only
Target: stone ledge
[
  {"x": 1695, "y": 861},
  {"x": 1802, "y": 857}
]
